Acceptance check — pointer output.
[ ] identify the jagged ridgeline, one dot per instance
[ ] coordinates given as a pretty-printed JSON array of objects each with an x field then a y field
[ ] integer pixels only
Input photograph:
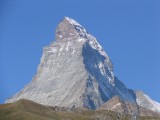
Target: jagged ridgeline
[{"x": 75, "y": 71}]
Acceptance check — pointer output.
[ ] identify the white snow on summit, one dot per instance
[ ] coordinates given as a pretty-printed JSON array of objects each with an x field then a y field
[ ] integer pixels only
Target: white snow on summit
[{"x": 72, "y": 21}]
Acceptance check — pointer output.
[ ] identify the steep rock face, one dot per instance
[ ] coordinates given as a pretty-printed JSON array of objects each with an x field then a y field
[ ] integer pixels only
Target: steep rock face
[{"x": 74, "y": 70}]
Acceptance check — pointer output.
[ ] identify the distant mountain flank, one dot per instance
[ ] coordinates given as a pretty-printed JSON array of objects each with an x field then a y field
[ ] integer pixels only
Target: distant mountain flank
[{"x": 76, "y": 72}]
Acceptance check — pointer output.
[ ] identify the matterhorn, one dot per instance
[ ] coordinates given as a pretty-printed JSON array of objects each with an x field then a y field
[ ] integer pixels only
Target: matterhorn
[{"x": 76, "y": 71}]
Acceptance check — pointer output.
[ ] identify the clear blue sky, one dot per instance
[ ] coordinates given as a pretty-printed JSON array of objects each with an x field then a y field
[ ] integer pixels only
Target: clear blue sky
[{"x": 129, "y": 31}]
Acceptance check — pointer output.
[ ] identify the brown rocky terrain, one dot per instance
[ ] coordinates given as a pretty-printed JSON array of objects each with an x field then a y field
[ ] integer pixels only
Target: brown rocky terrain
[{"x": 28, "y": 110}]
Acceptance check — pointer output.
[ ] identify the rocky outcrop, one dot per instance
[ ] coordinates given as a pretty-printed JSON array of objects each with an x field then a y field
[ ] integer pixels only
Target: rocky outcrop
[{"x": 116, "y": 104}]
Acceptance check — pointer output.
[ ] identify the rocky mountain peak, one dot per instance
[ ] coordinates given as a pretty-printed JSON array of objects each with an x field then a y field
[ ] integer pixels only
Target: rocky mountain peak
[
  {"x": 76, "y": 71},
  {"x": 69, "y": 29}
]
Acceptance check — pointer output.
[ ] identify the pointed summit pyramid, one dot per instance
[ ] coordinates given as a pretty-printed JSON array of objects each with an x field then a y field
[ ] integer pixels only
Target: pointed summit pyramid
[
  {"x": 69, "y": 29},
  {"x": 74, "y": 71}
]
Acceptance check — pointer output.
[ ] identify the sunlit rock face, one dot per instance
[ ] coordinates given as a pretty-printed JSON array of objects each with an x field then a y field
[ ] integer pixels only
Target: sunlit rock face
[
  {"x": 74, "y": 71},
  {"x": 145, "y": 101}
]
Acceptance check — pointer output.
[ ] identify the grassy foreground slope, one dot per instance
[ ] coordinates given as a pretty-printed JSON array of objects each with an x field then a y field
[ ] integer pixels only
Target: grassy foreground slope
[{"x": 28, "y": 110}]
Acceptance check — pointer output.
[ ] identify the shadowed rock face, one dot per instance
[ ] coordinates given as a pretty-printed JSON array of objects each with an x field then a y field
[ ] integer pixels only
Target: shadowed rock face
[{"x": 74, "y": 71}]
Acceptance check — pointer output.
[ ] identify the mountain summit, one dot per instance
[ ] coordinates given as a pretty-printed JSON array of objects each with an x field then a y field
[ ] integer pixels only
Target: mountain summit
[
  {"x": 74, "y": 71},
  {"x": 69, "y": 29}
]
